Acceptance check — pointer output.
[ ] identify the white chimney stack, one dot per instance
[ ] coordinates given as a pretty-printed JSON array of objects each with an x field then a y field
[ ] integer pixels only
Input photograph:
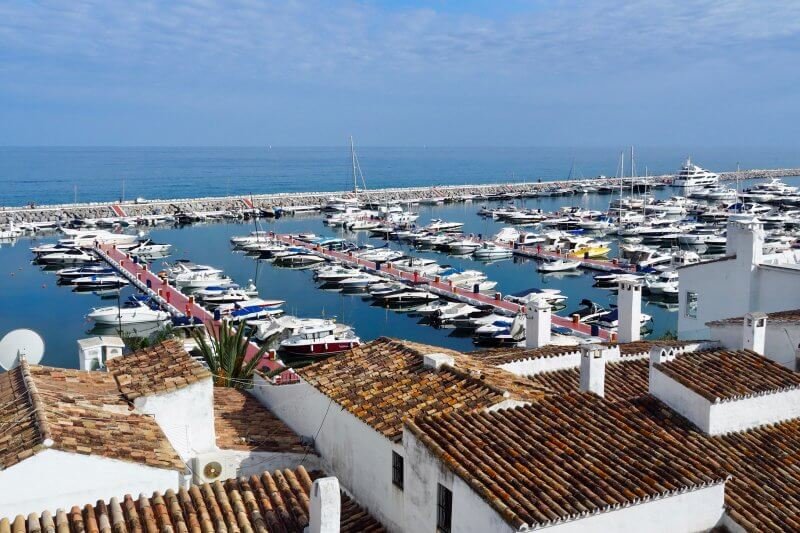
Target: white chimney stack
[
  {"x": 537, "y": 324},
  {"x": 325, "y": 506},
  {"x": 593, "y": 369},
  {"x": 754, "y": 332},
  {"x": 629, "y": 309}
]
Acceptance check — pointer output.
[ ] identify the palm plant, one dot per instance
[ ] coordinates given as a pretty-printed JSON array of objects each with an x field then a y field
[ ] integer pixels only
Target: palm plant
[{"x": 224, "y": 349}]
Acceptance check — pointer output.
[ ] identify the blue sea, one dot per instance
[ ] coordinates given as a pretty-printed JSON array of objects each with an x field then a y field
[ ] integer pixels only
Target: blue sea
[
  {"x": 59, "y": 175},
  {"x": 30, "y": 297}
]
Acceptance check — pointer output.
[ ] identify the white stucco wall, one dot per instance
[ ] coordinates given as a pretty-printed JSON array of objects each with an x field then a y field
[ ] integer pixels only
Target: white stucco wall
[
  {"x": 351, "y": 450},
  {"x": 718, "y": 418},
  {"x": 681, "y": 399},
  {"x": 530, "y": 367},
  {"x": 696, "y": 510},
  {"x": 186, "y": 417},
  {"x": 53, "y": 479},
  {"x": 754, "y": 411},
  {"x": 256, "y": 463},
  {"x": 424, "y": 473},
  {"x": 731, "y": 288},
  {"x": 781, "y": 341}
]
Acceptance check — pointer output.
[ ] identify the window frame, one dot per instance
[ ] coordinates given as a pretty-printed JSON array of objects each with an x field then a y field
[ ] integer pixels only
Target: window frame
[
  {"x": 692, "y": 300},
  {"x": 444, "y": 509},
  {"x": 398, "y": 473}
]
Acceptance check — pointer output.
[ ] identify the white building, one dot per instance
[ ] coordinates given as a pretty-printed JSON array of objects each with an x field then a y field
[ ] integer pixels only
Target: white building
[
  {"x": 353, "y": 406},
  {"x": 781, "y": 336},
  {"x": 745, "y": 280},
  {"x": 154, "y": 421}
]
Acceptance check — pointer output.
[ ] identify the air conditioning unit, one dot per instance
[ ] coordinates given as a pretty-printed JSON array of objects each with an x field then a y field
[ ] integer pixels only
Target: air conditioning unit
[{"x": 210, "y": 467}]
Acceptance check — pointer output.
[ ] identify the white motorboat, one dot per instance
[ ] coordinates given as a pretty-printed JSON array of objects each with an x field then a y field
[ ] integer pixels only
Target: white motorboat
[
  {"x": 409, "y": 296},
  {"x": 434, "y": 307},
  {"x": 551, "y": 296},
  {"x": 656, "y": 284},
  {"x": 83, "y": 271},
  {"x": 83, "y": 238},
  {"x": 250, "y": 289},
  {"x": 66, "y": 257},
  {"x": 335, "y": 273},
  {"x": 452, "y": 312},
  {"x": 692, "y": 175},
  {"x": 134, "y": 311},
  {"x": 287, "y": 326},
  {"x": 202, "y": 279},
  {"x": 560, "y": 265},
  {"x": 438, "y": 225},
  {"x": 105, "y": 281},
  {"x": 359, "y": 281},
  {"x": 297, "y": 257},
  {"x": 255, "y": 236},
  {"x": 229, "y": 296},
  {"x": 149, "y": 248},
  {"x": 320, "y": 340},
  {"x": 489, "y": 251},
  {"x": 462, "y": 246}
]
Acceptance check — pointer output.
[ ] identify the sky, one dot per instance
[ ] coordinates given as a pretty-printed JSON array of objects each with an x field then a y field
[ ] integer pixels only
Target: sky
[{"x": 400, "y": 73}]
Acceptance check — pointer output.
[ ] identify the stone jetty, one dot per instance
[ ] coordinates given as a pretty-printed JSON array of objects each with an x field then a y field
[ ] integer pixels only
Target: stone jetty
[{"x": 311, "y": 200}]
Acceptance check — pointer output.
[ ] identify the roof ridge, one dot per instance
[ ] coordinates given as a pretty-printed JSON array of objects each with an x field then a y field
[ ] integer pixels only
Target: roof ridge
[{"x": 36, "y": 403}]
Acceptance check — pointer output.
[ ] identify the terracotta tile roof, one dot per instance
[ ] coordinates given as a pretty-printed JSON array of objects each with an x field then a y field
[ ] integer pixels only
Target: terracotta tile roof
[
  {"x": 624, "y": 380},
  {"x": 719, "y": 375},
  {"x": 277, "y": 501},
  {"x": 243, "y": 423},
  {"x": 161, "y": 368},
  {"x": 783, "y": 317},
  {"x": 564, "y": 458},
  {"x": 385, "y": 380},
  {"x": 78, "y": 412}
]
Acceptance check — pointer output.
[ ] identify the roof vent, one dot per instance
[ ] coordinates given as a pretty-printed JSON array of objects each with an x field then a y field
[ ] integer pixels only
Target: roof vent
[{"x": 436, "y": 360}]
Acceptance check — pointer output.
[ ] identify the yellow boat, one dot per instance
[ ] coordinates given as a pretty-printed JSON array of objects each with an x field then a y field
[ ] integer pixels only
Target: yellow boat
[{"x": 590, "y": 251}]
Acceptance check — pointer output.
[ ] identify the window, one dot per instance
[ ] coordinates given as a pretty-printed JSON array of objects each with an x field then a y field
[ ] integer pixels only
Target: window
[
  {"x": 691, "y": 304},
  {"x": 444, "y": 513},
  {"x": 397, "y": 470}
]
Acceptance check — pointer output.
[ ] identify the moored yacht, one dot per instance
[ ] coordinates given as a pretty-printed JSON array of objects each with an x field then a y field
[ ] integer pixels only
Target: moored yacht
[{"x": 692, "y": 175}]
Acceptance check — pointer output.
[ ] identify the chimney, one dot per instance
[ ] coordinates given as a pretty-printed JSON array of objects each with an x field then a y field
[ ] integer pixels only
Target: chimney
[
  {"x": 746, "y": 241},
  {"x": 754, "y": 332},
  {"x": 629, "y": 309},
  {"x": 436, "y": 360},
  {"x": 797, "y": 359},
  {"x": 324, "y": 515},
  {"x": 537, "y": 324},
  {"x": 658, "y": 355},
  {"x": 593, "y": 369}
]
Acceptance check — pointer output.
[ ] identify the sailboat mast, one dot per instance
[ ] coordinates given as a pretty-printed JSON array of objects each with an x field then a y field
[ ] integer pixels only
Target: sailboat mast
[{"x": 353, "y": 158}]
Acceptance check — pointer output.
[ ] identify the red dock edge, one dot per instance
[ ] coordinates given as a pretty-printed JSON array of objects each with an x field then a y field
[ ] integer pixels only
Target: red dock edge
[{"x": 158, "y": 287}]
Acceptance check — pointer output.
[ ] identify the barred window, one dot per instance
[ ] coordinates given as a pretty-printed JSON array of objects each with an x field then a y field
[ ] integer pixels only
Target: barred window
[
  {"x": 444, "y": 512},
  {"x": 397, "y": 469}
]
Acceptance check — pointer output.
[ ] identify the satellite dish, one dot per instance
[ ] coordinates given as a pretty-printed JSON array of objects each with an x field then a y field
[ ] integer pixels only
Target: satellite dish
[{"x": 20, "y": 343}]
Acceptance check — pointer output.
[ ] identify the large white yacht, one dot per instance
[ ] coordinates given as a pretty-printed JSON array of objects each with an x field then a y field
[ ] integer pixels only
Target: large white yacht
[{"x": 692, "y": 175}]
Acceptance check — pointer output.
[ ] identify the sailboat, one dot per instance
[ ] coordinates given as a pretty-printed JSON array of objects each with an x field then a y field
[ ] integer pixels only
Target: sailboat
[{"x": 342, "y": 204}]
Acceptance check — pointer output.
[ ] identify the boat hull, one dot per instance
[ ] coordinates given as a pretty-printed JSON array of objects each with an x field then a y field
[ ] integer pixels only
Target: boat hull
[{"x": 321, "y": 349}]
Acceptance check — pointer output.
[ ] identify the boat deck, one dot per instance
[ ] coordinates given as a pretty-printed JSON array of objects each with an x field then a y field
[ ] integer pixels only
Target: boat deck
[
  {"x": 178, "y": 304},
  {"x": 438, "y": 287}
]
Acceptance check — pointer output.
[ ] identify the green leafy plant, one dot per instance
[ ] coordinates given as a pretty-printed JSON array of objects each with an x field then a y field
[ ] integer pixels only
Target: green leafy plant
[
  {"x": 134, "y": 342},
  {"x": 224, "y": 349}
]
